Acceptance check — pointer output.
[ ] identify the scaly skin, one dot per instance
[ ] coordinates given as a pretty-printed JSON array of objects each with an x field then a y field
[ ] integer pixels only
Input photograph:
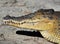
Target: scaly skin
[{"x": 47, "y": 21}]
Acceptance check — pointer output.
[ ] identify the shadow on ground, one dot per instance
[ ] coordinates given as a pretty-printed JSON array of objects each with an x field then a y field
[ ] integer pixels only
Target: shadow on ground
[{"x": 29, "y": 33}]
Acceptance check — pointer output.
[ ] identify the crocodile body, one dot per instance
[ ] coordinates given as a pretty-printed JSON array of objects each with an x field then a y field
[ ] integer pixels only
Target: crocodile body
[{"x": 47, "y": 21}]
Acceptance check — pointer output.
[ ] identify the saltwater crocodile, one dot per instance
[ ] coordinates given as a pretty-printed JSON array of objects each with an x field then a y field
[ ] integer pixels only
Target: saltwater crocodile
[{"x": 47, "y": 21}]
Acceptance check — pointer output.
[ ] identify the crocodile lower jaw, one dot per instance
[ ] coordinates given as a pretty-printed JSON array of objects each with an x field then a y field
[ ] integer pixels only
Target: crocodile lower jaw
[{"x": 50, "y": 37}]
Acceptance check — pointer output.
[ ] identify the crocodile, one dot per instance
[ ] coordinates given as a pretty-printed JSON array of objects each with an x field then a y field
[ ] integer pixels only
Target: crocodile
[{"x": 46, "y": 21}]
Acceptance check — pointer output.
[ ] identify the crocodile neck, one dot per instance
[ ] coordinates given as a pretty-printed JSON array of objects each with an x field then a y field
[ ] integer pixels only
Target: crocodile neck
[{"x": 52, "y": 35}]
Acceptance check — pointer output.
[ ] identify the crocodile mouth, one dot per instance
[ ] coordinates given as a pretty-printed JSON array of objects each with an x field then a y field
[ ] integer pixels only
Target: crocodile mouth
[
  {"x": 19, "y": 20},
  {"x": 21, "y": 23},
  {"x": 35, "y": 24},
  {"x": 18, "y": 23}
]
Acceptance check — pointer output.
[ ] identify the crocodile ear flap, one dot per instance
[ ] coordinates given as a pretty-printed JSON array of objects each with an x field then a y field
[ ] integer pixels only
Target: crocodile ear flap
[{"x": 7, "y": 17}]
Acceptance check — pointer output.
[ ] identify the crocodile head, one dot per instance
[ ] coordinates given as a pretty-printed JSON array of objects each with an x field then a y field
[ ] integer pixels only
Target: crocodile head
[{"x": 40, "y": 20}]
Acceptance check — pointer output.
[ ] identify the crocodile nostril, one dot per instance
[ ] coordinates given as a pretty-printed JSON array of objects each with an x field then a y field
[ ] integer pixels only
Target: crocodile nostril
[{"x": 7, "y": 17}]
